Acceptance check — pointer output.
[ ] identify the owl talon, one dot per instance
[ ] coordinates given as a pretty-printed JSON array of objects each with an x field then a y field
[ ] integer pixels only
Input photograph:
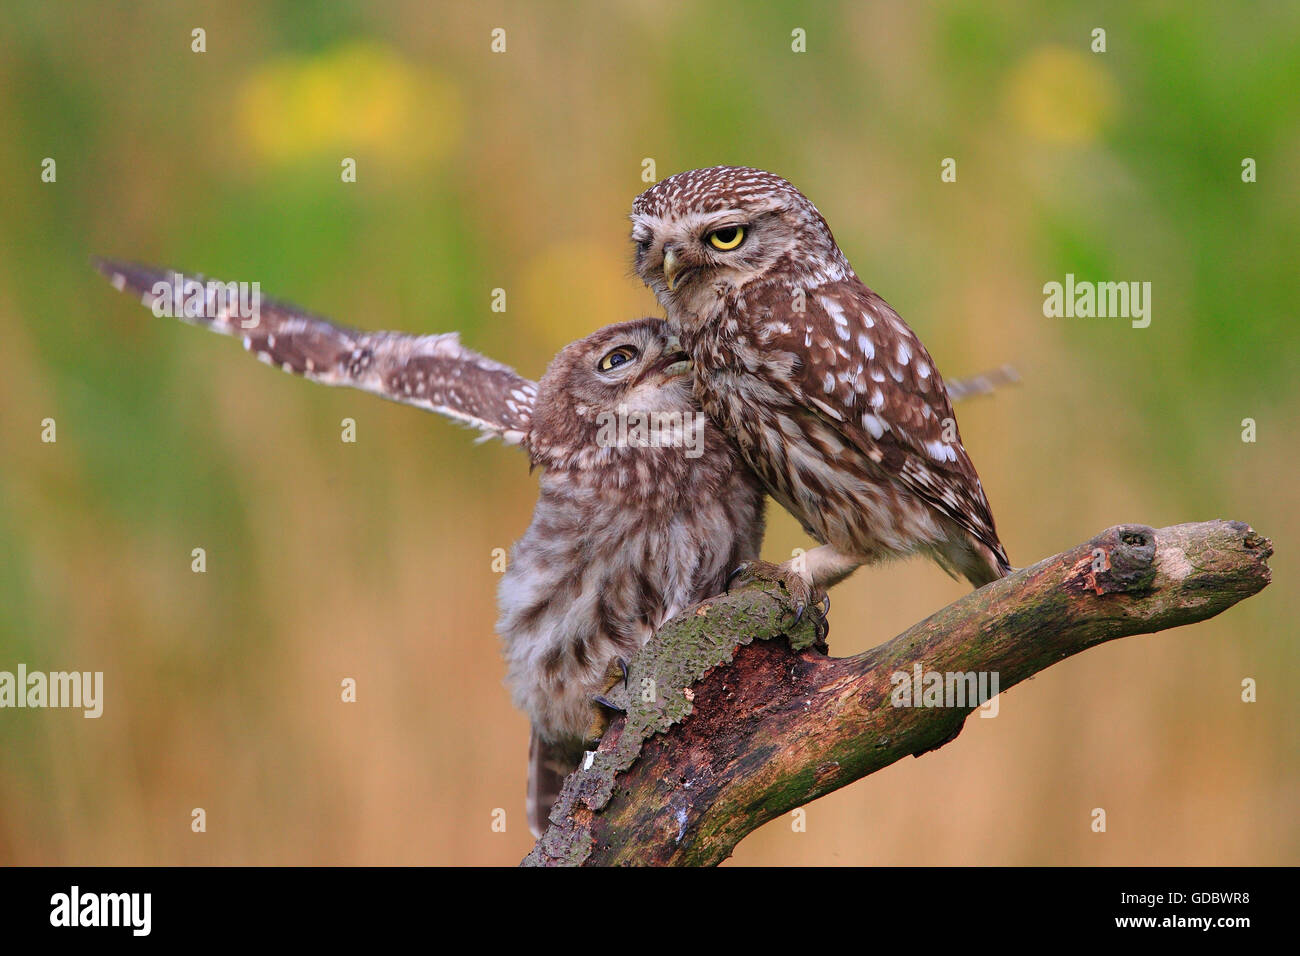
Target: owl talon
[
  {"x": 603, "y": 712},
  {"x": 731, "y": 578},
  {"x": 823, "y": 625}
]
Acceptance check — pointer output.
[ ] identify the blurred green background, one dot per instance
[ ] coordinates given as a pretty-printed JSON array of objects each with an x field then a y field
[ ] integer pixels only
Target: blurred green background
[{"x": 516, "y": 170}]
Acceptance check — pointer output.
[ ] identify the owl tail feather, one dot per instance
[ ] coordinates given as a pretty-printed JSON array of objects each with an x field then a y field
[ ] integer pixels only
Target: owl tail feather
[
  {"x": 983, "y": 565},
  {"x": 549, "y": 763},
  {"x": 973, "y": 560}
]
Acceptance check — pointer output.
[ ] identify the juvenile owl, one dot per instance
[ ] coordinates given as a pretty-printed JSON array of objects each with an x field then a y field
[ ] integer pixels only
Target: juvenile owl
[
  {"x": 644, "y": 508},
  {"x": 635, "y": 523},
  {"x": 831, "y": 398}
]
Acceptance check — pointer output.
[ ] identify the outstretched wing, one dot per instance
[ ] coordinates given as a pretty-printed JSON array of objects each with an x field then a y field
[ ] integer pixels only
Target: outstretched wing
[
  {"x": 434, "y": 372},
  {"x": 870, "y": 378}
]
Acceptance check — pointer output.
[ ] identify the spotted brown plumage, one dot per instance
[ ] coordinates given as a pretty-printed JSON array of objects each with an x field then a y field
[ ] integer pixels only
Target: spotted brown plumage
[{"x": 831, "y": 398}]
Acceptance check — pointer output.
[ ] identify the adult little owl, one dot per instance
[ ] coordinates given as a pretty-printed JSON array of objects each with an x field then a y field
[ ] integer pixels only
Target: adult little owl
[{"x": 831, "y": 398}]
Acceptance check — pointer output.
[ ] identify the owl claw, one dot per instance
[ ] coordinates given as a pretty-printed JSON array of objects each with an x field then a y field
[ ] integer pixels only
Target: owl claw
[
  {"x": 821, "y": 623},
  {"x": 823, "y": 618},
  {"x": 731, "y": 578},
  {"x": 603, "y": 712}
]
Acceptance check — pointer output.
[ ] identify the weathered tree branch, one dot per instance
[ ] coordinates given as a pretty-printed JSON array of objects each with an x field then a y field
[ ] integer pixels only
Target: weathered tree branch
[{"x": 727, "y": 729}]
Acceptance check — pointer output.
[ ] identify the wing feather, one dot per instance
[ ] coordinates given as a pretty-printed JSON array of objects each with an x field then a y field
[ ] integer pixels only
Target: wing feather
[
  {"x": 874, "y": 383},
  {"x": 433, "y": 372}
]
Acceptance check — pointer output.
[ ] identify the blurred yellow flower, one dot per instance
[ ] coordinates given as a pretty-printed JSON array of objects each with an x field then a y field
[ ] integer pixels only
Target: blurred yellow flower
[
  {"x": 359, "y": 98},
  {"x": 1059, "y": 95}
]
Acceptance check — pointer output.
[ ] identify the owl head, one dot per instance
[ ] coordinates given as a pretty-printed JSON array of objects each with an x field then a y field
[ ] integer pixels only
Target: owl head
[
  {"x": 704, "y": 233},
  {"x": 597, "y": 388}
]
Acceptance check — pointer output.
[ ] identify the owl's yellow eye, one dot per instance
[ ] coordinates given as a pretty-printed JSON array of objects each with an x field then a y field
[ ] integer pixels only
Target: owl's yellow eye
[
  {"x": 727, "y": 238},
  {"x": 617, "y": 357}
]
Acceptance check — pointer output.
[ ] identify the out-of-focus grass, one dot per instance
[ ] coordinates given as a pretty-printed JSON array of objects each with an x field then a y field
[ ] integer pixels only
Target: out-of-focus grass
[{"x": 479, "y": 171}]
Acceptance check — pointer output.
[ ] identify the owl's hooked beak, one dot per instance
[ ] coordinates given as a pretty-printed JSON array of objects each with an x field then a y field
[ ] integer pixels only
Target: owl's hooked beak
[
  {"x": 674, "y": 361},
  {"x": 673, "y": 267}
]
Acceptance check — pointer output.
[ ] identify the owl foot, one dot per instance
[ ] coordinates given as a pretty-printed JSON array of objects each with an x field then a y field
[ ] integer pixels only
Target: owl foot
[
  {"x": 802, "y": 593},
  {"x": 604, "y": 710}
]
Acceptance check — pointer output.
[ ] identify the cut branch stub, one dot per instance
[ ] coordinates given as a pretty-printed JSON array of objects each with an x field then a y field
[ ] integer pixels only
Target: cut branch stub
[{"x": 727, "y": 729}]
